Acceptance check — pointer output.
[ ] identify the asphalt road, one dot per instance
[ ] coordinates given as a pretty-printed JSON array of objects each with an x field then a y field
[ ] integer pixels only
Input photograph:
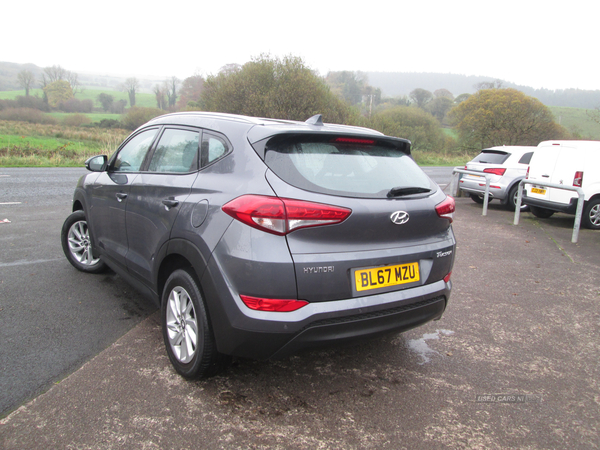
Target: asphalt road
[
  {"x": 512, "y": 364},
  {"x": 53, "y": 317}
]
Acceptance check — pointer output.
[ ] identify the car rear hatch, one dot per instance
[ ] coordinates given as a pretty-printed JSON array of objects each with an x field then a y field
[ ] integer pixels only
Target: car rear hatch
[
  {"x": 393, "y": 237},
  {"x": 488, "y": 162},
  {"x": 556, "y": 163}
]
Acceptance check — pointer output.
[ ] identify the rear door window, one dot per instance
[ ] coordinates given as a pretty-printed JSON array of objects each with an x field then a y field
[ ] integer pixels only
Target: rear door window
[
  {"x": 526, "y": 158},
  {"x": 344, "y": 166},
  {"x": 176, "y": 152},
  {"x": 214, "y": 147}
]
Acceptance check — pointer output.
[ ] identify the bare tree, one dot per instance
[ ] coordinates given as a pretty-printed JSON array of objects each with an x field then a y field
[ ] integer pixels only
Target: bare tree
[
  {"x": 56, "y": 73},
  {"x": 170, "y": 87},
  {"x": 489, "y": 85},
  {"x": 131, "y": 86},
  {"x": 159, "y": 93},
  {"x": 26, "y": 80},
  {"x": 73, "y": 80}
]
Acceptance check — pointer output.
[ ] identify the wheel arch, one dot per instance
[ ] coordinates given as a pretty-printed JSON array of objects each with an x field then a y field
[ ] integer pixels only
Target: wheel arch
[{"x": 179, "y": 254}]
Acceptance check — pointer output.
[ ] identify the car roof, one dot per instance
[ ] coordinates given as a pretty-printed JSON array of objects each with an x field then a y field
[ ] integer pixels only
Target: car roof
[
  {"x": 512, "y": 149},
  {"x": 260, "y": 128}
]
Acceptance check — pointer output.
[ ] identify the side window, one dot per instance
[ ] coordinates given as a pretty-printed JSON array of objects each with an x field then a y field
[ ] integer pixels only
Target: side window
[
  {"x": 213, "y": 148},
  {"x": 526, "y": 158},
  {"x": 177, "y": 151},
  {"x": 132, "y": 155}
]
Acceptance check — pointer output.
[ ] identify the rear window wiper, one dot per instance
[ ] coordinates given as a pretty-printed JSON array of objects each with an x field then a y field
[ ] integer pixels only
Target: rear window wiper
[{"x": 400, "y": 191}]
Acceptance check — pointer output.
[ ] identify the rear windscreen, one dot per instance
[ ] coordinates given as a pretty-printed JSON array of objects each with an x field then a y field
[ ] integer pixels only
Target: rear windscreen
[
  {"x": 345, "y": 166},
  {"x": 491, "y": 157}
]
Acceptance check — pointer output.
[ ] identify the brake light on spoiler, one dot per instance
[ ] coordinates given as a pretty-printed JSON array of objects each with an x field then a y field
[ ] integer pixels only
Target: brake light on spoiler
[{"x": 283, "y": 215}]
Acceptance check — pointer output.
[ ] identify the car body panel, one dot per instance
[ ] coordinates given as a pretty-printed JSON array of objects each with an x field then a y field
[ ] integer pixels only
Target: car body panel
[
  {"x": 500, "y": 185},
  {"x": 143, "y": 239},
  {"x": 557, "y": 162}
]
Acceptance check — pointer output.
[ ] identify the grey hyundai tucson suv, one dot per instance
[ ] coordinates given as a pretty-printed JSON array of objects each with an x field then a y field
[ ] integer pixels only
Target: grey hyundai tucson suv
[{"x": 260, "y": 237}]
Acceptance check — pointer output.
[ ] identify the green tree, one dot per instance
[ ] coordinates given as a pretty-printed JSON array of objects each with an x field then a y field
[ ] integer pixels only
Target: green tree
[
  {"x": 138, "y": 116},
  {"x": 57, "y": 92},
  {"x": 26, "y": 78},
  {"x": 461, "y": 98},
  {"x": 503, "y": 117},
  {"x": 277, "y": 88},
  {"x": 420, "y": 127},
  {"x": 439, "y": 107},
  {"x": 106, "y": 100},
  {"x": 420, "y": 96},
  {"x": 348, "y": 85}
]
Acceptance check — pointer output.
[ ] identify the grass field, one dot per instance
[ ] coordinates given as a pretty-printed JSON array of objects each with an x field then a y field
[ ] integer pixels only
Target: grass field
[
  {"x": 29, "y": 145},
  {"x": 578, "y": 121},
  {"x": 141, "y": 99}
]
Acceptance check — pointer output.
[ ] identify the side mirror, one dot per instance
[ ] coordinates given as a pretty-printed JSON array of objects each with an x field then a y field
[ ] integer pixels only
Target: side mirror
[{"x": 96, "y": 163}]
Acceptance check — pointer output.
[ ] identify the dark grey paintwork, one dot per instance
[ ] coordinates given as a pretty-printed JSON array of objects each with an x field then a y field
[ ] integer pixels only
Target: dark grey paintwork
[{"x": 144, "y": 225}]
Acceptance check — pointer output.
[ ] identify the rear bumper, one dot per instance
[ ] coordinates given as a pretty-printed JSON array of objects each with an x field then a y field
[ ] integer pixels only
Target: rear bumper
[
  {"x": 364, "y": 326},
  {"x": 568, "y": 208},
  {"x": 475, "y": 188},
  {"x": 243, "y": 332}
]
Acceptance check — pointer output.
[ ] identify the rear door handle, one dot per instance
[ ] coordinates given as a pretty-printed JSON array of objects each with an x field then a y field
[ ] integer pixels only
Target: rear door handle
[
  {"x": 170, "y": 203},
  {"x": 121, "y": 196},
  {"x": 545, "y": 176}
]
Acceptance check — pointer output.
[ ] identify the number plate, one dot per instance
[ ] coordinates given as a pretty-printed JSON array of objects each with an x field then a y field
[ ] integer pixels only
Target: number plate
[
  {"x": 535, "y": 190},
  {"x": 378, "y": 277}
]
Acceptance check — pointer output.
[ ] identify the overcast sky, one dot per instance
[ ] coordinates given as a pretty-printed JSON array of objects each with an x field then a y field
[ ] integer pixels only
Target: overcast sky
[{"x": 543, "y": 44}]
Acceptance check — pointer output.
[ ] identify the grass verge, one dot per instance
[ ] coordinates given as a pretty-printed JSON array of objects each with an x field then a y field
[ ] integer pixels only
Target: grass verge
[{"x": 33, "y": 145}]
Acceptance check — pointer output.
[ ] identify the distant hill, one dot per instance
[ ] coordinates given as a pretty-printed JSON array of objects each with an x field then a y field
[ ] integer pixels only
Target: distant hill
[
  {"x": 395, "y": 84},
  {"x": 392, "y": 84}
]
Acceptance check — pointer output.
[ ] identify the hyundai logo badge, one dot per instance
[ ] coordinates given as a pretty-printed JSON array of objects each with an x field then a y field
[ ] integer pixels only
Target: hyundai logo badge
[{"x": 399, "y": 217}]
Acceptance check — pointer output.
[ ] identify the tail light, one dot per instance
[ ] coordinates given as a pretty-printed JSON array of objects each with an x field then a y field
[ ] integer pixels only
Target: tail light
[
  {"x": 272, "y": 304},
  {"x": 497, "y": 171},
  {"x": 527, "y": 174},
  {"x": 578, "y": 179},
  {"x": 447, "y": 277},
  {"x": 283, "y": 215},
  {"x": 446, "y": 209}
]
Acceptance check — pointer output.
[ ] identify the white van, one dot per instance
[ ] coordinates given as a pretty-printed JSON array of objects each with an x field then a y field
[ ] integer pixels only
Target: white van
[{"x": 571, "y": 163}]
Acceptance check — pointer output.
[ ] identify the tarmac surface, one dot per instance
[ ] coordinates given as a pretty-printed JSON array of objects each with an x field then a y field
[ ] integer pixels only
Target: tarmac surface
[{"x": 514, "y": 363}]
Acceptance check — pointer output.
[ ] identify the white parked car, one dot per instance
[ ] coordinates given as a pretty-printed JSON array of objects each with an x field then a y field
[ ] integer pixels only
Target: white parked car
[
  {"x": 507, "y": 166},
  {"x": 571, "y": 163}
]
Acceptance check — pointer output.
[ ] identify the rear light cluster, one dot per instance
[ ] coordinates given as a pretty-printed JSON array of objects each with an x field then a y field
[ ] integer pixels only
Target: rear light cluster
[
  {"x": 283, "y": 215},
  {"x": 578, "y": 179},
  {"x": 497, "y": 171},
  {"x": 446, "y": 209}
]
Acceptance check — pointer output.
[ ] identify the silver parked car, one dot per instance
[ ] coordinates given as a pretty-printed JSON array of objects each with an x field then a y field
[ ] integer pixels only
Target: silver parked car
[
  {"x": 260, "y": 237},
  {"x": 507, "y": 166}
]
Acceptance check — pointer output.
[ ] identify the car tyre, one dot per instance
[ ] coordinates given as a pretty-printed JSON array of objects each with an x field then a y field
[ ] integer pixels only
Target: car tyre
[
  {"x": 541, "y": 213},
  {"x": 77, "y": 244},
  {"x": 591, "y": 214},
  {"x": 478, "y": 199},
  {"x": 186, "y": 328},
  {"x": 511, "y": 200}
]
